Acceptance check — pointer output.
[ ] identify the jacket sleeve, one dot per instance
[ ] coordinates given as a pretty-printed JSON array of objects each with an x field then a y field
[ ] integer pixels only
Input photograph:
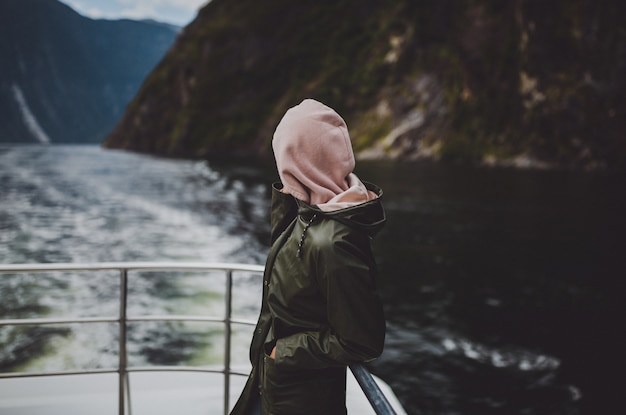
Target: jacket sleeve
[{"x": 346, "y": 275}]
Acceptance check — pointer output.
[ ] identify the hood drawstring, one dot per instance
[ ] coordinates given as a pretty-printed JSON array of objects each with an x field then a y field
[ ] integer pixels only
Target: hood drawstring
[{"x": 306, "y": 227}]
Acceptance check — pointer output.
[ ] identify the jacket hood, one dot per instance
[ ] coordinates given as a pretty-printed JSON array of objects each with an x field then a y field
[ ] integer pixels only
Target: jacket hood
[
  {"x": 314, "y": 157},
  {"x": 368, "y": 217}
]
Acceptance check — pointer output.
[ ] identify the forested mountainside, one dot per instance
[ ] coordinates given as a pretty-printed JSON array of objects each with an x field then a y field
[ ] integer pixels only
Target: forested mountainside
[
  {"x": 68, "y": 78},
  {"x": 521, "y": 82}
]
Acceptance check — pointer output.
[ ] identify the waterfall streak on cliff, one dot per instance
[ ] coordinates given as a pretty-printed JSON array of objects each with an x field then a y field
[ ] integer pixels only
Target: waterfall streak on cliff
[{"x": 29, "y": 118}]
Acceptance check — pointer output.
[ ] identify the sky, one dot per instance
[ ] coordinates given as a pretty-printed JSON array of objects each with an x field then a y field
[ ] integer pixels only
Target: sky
[{"x": 177, "y": 12}]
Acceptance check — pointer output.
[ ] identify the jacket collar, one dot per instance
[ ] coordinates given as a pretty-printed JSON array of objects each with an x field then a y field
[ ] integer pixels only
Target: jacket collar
[
  {"x": 283, "y": 211},
  {"x": 368, "y": 217}
]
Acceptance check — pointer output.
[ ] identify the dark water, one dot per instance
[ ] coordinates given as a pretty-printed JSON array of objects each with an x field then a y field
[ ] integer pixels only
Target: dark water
[{"x": 501, "y": 287}]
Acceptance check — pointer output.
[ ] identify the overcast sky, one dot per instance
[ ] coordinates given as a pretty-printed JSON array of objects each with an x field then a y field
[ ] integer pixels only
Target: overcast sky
[{"x": 178, "y": 12}]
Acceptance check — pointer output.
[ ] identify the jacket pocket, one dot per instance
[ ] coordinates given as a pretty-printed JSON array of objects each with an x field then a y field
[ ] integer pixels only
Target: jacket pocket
[{"x": 302, "y": 391}]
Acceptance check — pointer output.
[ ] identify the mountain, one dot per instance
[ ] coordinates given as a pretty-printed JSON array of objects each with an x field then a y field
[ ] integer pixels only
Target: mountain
[
  {"x": 521, "y": 82},
  {"x": 68, "y": 78}
]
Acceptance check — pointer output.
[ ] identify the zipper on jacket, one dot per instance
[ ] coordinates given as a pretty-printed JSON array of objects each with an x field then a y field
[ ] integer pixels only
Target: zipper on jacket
[{"x": 303, "y": 236}]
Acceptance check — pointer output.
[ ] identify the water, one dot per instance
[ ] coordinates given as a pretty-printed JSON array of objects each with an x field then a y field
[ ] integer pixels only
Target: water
[
  {"x": 83, "y": 204},
  {"x": 502, "y": 289},
  {"x": 500, "y": 286}
]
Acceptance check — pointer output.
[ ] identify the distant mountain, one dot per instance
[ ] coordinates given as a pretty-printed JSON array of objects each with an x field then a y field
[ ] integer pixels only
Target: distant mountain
[
  {"x": 68, "y": 78},
  {"x": 537, "y": 83}
]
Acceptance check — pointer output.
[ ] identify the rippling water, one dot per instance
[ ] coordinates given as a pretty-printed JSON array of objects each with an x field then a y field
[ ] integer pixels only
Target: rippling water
[
  {"x": 502, "y": 289},
  {"x": 83, "y": 204},
  {"x": 499, "y": 285}
]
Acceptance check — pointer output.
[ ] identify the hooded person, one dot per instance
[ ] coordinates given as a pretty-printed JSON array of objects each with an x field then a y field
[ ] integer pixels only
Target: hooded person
[
  {"x": 314, "y": 158},
  {"x": 320, "y": 310}
]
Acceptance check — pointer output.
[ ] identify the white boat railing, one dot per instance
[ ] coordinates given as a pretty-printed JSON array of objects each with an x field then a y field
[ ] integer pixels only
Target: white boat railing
[{"x": 375, "y": 396}]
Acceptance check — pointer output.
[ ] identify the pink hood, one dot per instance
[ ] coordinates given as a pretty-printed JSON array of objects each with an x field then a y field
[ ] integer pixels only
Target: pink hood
[{"x": 314, "y": 158}]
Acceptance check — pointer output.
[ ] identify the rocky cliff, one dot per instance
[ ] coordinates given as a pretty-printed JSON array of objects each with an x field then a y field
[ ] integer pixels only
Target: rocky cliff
[
  {"x": 522, "y": 82},
  {"x": 67, "y": 78}
]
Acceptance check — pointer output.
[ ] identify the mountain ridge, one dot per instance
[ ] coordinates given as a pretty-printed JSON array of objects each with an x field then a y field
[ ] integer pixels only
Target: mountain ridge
[
  {"x": 488, "y": 82},
  {"x": 67, "y": 76},
  {"x": 522, "y": 83}
]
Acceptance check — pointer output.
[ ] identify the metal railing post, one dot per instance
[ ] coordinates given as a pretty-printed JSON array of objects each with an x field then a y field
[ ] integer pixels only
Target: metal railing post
[
  {"x": 374, "y": 395},
  {"x": 227, "y": 339},
  {"x": 122, "y": 365}
]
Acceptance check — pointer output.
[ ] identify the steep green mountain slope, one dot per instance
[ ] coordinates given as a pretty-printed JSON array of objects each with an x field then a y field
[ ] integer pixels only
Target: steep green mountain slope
[
  {"x": 67, "y": 78},
  {"x": 520, "y": 81}
]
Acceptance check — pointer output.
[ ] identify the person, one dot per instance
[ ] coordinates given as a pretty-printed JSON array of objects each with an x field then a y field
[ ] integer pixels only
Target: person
[{"x": 320, "y": 310}]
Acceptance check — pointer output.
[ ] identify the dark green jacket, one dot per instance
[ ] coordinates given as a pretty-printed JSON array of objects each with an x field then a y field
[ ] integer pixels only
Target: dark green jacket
[{"x": 320, "y": 307}]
